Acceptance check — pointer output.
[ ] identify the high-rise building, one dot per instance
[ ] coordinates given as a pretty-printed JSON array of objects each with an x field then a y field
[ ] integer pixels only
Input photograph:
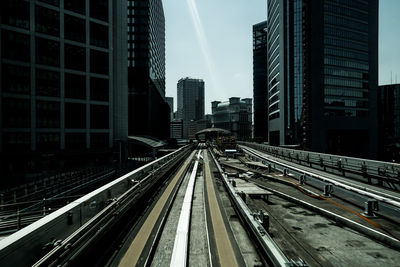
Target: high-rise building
[
  {"x": 260, "y": 80},
  {"x": 233, "y": 115},
  {"x": 148, "y": 111},
  {"x": 389, "y": 122},
  {"x": 63, "y": 82},
  {"x": 190, "y": 102},
  {"x": 170, "y": 102},
  {"x": 322, "y": 75}
]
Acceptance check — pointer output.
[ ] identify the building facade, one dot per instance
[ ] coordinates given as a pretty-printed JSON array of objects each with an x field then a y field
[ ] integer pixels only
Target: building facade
[
  {"x": 190, "y": 102},
  {"x": 149, "y": 114},
  {"x": 234, "y": 115},
  {"x": 322, "y": 75},
  {"x": 389, "y": 122},
  {"x": 177, "y": 129},
  {"x": 170, "y": 102},
  {"x": 63, "y": 82},
  {"x": 260, "y": 81}
]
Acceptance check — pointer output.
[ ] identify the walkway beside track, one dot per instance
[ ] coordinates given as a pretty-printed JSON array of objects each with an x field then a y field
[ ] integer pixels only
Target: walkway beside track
[
  {"x": 132, "y": 256},
  {"x": 226, "y": 253}
]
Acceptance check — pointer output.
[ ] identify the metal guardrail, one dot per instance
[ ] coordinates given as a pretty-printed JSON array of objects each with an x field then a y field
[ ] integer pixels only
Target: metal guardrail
[
  {"x": 274, "y": 253},
  {"x": 59, "y": 225},
  {"x": 384, "y": 172},
  {"x": 388, "y": 205}
]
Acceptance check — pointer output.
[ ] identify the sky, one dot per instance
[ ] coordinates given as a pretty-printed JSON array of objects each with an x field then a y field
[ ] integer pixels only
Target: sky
[{"x": 212, "y": 40}]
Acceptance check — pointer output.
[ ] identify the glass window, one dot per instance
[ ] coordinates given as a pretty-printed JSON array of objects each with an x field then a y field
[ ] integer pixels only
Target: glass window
[
  {"x": 16, "y": 79},
  {"x": 15, "y": 13},
  {"x": 48, "y": 141},
  {"x": 47, "y": 114},
  {"x": 75, "y": 140},
  {"x": 16, "y": 113},
  {"x": 99, "y": 9},
  {"x": 75, "y": 86},
  {"x": 51, "y": 2},
  {"x": 16, "y": 141},
  {"x": 98, "y": 35},
  {"x": 98, "y": 62},
  {"x": 74, "y": 29},
  {"x": 47, "y": 21},
  {"x": 15, "y": 46},
  {"x": 99, "y": 89},
  {"x": 99, "y": 117},
  {"x": 99, "y": 140},
  {"x": 47, "y": 52},
  {"x": 75, "y": 115},
  {"x": 75, "y": 57},
  {"x": 47, "y": 83},
  {"x": 77, "y": 6}
]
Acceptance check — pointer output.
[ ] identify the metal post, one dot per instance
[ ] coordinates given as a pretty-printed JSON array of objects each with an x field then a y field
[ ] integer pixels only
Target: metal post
[
  {"x": 44, "y": 206},
  {"x": 18, "y": 220},
  {"x": 285, "y": 172},
  {"x": 328, "y": 189},
  {"x": 370, "y": 206},
  {"x": 302, "y": 179},
  {"x": 264, "y": 218}
]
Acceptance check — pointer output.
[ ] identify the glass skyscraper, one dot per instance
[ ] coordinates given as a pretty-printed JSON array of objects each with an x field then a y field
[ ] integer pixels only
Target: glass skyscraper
[
  {"x": 149, "y": 113},
  {"x": 260, "y": 82},
  {"x": 63, "y": 88},
  {"x": 323, "y": 75}
]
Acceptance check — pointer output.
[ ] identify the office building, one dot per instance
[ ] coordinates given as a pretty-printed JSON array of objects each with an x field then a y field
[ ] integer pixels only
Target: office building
[
  {"x": 170, "y": 102},
  {"x": 63, "y": 83},
  {"x": 389, "y": 122},
  {"x": 260, "y": 81},
  {"x": 148, "y": 111},
  {"x": 190, "y": 102},
  {"x": 177, "y": 129},
  {"x": 234, "y": 115},
  {"x": 322, "y": 75}
]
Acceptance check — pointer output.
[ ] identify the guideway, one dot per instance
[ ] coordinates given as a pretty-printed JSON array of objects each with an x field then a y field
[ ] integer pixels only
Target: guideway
[{"x": 225, "y": 250}]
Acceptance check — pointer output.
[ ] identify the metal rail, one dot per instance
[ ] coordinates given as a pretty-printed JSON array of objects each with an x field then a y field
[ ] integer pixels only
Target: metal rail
[
  {"x": 388, "y": 205},
  {"x": 270, "y": 249},
  {"x": 78, "y": 222},
  {"x": 387, "y": 174}
]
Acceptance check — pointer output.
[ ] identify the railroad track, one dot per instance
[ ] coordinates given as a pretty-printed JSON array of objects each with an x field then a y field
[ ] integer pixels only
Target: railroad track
[
  {"x": 193, "y": 228},
  {"x": 323, "y": 229},
  {"x": 193, "y": 208},
  {"x": 378, "y": 199},
  {"x": 193, "y": 219}
]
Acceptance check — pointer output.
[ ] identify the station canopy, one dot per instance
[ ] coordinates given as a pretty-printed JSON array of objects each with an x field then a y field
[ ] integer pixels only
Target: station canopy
[{"x": 212, "y": 132}]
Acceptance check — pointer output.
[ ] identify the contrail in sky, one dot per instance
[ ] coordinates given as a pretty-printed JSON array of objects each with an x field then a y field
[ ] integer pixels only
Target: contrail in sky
[{"x": 202, "y": 40}]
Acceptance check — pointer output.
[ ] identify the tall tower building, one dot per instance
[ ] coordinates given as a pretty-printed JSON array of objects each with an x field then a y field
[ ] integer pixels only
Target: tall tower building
[
  {"x": 170, "y": 102},
  {"x": 148, "y": 111},
  {"x": 322, "y": 75},
  {"x": 190, "y": 101},
  {"x": 260, "y": 80},
  {"x": 389, "y": 122},
  {"x": 63, "y": 86}
]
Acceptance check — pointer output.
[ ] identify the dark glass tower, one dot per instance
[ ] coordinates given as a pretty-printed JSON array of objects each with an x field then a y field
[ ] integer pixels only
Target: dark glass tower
[
  {"x": 190, "y": 95},
  {"x": 323, "y": 58},
  {"x": 62, "y": 89},
  {"x": 260, "y": 82},
  {"x": 389, "y": 122},
  {"x": 148, "y": 110}
]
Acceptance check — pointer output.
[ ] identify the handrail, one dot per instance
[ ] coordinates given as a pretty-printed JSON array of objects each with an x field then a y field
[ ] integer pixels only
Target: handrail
[{"x": 344, "y": 163}]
